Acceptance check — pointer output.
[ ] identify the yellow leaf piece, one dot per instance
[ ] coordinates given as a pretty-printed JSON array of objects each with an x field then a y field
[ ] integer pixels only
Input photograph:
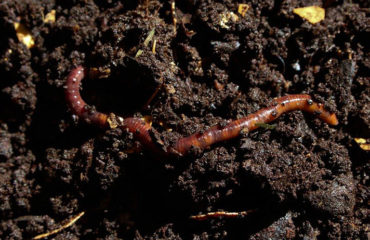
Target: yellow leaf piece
[
  {"x": 149, "y": 37},
  {"x": 138, "y": 53},
  {"x": 364, "y": 145},
  {"x": 243, "y": 9},
  {"x": 50, "y": 17},
  {"x": 313, "y": 14},
  {"x": 112, "y": 123},
  {"x": 226, "y": 17},
  {"x": 24, "y": 35},
  {"x": 360, "y": 140}
]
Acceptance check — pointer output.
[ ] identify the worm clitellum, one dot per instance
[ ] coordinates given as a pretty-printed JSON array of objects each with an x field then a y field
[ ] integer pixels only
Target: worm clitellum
[{"x": 141, "y": 129}]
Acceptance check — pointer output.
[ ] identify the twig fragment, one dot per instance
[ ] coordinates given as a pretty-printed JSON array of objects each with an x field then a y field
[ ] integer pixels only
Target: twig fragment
[{"x": 64, "y": 226}]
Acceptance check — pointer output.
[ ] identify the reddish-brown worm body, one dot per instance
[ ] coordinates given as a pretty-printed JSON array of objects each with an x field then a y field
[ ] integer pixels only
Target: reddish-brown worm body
[{"x": 141, "y": 129}]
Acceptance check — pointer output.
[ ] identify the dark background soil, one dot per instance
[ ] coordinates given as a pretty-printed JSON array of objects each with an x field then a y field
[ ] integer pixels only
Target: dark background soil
[{"x": 303, "y": 178}]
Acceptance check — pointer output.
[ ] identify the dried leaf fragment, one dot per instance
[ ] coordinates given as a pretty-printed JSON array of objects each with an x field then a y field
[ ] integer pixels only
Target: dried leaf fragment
[
  {"x": 149, "y": 37},
  {"x": 113, "y": 121},
  {"x": 138, "y": 53},
  {"x": 364, "y": 145},
  {"x": 313, "y": 14},
  {"x": 24, "y": 35},
  {"x": 50, "y": 17},
  {"x": 243, "y": 9},
  {"x": 226, "y": 17}
]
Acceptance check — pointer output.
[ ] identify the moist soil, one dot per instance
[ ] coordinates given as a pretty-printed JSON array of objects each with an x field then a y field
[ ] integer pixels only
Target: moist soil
[{"x": 298, "y": 178}]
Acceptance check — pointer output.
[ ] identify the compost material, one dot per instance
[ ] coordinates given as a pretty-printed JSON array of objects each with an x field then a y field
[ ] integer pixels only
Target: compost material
[{"x": 183, "y": 67}]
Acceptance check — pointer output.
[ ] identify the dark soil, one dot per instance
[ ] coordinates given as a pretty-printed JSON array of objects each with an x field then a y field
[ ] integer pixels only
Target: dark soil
[{"x": 303, "y": 179}]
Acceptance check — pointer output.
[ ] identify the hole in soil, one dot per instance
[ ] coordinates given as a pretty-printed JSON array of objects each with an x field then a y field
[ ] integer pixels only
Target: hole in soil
[{"x": 126, "y": 90}]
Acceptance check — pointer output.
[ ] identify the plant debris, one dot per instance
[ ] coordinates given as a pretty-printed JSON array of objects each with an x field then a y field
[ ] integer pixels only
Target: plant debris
[
  {"x": 313, "y": 14},
  {"x": 69, "y": 223},
  {"x": 243, "y": 9},
  {"x": 24, "y": 35},
  {"x": 363, "y": 143},
  {"x": 206, "y": 62},
  {"x": 50, "y": 17}
]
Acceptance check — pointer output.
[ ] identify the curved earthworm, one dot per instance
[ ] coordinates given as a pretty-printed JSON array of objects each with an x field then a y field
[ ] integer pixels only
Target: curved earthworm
[
  {"x": 141, "y": 129},
  {"x": 80, "y": 108},
  {"x": 75, "y": 102}
]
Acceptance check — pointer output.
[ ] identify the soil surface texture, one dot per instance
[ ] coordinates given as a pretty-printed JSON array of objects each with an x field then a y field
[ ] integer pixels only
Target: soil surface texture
[{"x": 185, "y": 66}]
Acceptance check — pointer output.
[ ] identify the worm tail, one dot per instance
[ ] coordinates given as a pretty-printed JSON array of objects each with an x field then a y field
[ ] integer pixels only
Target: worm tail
[{"x": 251, "y": 122}]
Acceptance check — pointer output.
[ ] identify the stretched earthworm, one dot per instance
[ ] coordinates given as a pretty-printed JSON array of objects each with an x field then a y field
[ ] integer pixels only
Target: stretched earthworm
[{"x": 141, "y": 129}]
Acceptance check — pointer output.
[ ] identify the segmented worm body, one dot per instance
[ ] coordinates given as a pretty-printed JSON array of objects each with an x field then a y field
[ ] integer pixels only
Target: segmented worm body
[
  {"x": 80, "y": 108},
  {"x": 233, "y": 129},
  {"x": 75, "y": 102},
  {"x": 141, "y": 129}
]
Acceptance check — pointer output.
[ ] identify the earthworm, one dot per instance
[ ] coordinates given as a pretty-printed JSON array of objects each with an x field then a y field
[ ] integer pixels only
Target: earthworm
[
  {"x": 88, "y": 113},
  {"x": 142, "y": 130},
  {"x": 75, "y": 102}
]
